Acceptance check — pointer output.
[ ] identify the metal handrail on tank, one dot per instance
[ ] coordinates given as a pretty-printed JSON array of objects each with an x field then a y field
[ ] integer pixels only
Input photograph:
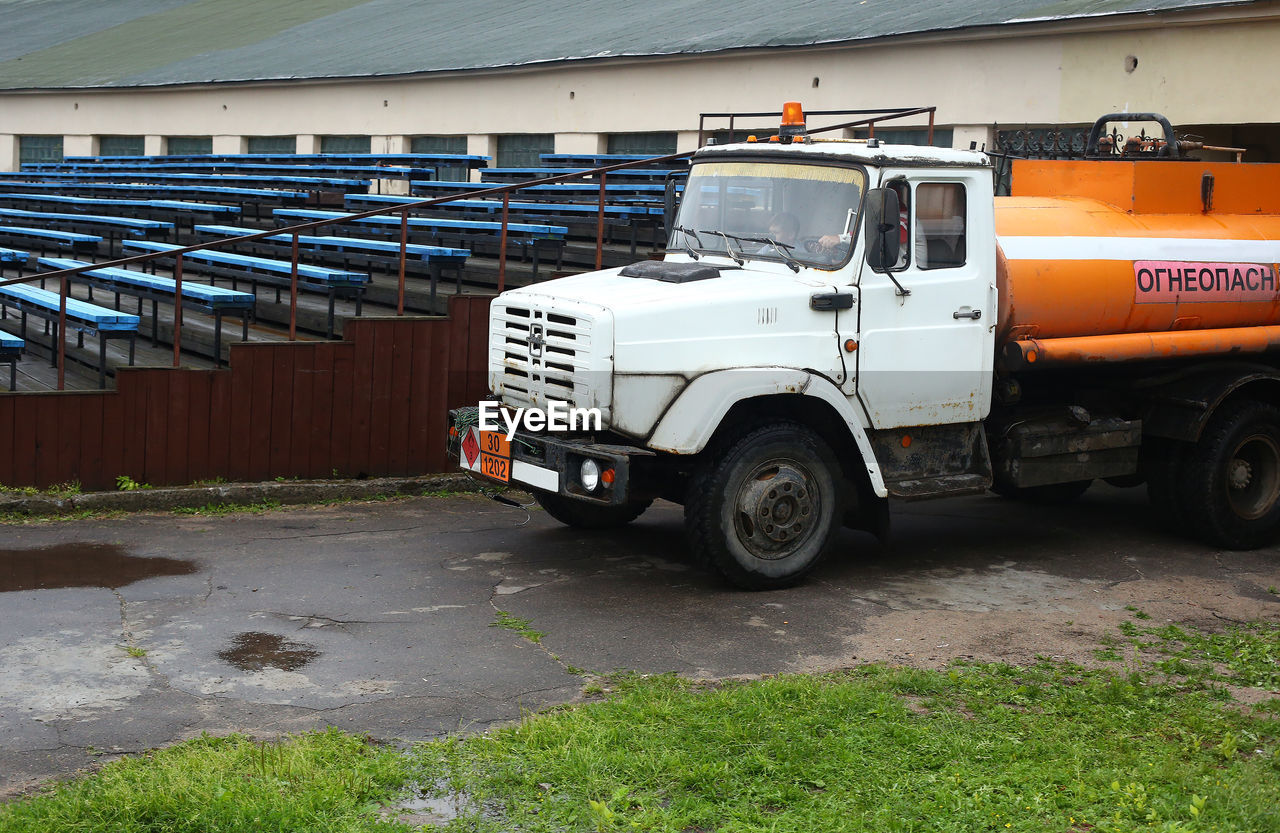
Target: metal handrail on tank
[{"x": 63, "y": 275}]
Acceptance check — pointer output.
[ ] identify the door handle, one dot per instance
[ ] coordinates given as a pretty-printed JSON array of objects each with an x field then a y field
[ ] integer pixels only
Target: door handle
[
  {"x": 830, "y": 301},
  {"x": 974, "y": 314}
]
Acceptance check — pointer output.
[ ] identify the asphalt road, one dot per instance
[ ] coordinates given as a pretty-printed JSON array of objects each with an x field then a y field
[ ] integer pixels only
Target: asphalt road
[{"x": 123, "y": 634}]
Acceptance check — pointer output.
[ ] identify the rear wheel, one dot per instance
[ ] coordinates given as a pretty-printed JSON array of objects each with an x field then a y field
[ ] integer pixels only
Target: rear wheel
[
  {"x": 1231, "y": 484},
  {"x": 764, "y": 509},
  {"x": 582, "y": 515}
]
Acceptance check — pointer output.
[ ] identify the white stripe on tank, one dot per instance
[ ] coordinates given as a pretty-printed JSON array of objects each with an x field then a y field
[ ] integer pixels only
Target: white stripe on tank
[{"x": 1207, "y": 250}]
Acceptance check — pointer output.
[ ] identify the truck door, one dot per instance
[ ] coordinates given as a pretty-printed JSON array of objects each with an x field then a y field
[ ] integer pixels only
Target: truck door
[{"x": 926, "y": 324}]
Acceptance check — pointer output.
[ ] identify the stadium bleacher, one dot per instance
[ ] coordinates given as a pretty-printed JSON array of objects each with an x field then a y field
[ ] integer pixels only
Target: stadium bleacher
[
  {"x": 384, "y": 254},
  {"x": 531, "y": 239},
  {"x": 44, "y": 239},
  {"x": 84, "y": 318},
  {"x": 103, "y": 225},
  {"x": 215, "y": 301},
  {"x": 260, "y": 270},
  {"x": 96, "y": 208},
  {"x": 11, "y": 348}
]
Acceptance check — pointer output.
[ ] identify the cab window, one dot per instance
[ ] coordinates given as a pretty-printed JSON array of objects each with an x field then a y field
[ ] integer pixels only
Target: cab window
[{"x": 940, "y": 225}]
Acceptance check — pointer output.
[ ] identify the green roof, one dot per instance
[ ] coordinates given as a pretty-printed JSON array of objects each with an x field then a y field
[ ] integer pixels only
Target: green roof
[{"x": 128, "y": 43}]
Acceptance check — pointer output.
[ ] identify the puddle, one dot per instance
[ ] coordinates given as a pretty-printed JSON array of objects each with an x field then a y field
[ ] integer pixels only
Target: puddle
[
  {"x": 256, "y": 651},
  {"x": 82, "y": 565},
  {"x": 431, "y": 806}
]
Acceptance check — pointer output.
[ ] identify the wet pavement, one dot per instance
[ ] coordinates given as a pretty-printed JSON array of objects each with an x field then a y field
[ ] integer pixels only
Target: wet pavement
[{"x": 122, "y": 634}]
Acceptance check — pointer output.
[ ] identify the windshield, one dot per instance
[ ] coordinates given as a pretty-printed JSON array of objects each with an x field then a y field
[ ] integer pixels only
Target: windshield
[{"x": 788, "y": 211}]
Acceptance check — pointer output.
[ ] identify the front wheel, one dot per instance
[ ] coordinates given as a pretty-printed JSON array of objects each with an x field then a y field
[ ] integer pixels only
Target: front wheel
[
  {"x": 764, "y": 509},
  {"x": 582, "y": 515},
  {"x": 1231, "y": 482}
]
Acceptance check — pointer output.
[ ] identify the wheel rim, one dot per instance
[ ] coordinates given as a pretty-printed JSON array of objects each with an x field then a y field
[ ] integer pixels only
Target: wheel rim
[
  {"x": 1253, "y": 477},
  {"x": 776, "y": 509}
]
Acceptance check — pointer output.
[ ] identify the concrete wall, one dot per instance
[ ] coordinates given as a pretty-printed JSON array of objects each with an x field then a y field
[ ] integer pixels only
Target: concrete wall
[{"x": 1188, "y": 67}]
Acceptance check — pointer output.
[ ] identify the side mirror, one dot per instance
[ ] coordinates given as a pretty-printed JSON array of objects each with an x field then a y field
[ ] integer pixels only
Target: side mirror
[
  {"x": 670, "y": 203},
  {"x": 880, "y": 227}
]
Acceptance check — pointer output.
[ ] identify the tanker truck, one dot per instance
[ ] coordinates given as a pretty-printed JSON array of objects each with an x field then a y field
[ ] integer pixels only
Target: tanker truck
[{"x": 839, "y": 324}]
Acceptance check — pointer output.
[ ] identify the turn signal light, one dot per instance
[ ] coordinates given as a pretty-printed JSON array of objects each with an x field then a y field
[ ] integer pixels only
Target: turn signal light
[{"x": 607, "y": 476}]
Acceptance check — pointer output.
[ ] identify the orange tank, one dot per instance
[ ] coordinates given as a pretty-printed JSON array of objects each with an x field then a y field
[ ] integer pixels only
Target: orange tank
[{"x": 1092, "y": 251}]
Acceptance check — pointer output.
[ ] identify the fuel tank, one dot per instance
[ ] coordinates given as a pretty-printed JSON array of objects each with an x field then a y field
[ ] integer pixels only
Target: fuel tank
[{"x": 1099, "y": 248}]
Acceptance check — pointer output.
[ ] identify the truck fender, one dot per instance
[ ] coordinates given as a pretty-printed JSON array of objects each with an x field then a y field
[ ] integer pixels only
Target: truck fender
[
  {"x": 1180, "y": 408},
  {"x": 690, "y": 421}
]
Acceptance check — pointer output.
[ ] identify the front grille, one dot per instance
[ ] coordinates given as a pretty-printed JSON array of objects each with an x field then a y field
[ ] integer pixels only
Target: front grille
[{"x": 537, "y": 356}]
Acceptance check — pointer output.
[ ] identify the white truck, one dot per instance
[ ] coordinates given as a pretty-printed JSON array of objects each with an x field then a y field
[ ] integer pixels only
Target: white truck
[{"x": 840, "y": 323}]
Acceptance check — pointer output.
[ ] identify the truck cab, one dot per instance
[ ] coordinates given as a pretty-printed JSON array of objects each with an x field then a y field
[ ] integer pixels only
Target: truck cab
[{"x": 813, "y": 294}]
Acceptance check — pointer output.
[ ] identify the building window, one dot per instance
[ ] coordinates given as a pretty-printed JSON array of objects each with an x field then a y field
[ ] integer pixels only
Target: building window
[
  {"x": 648, "y": 144},
  {"x": 443, "y": 144},
  {"x": 39, "y": 149},
  {"x": 272, "y": 144},
  {"x": 345, "y": 144},
  {"x": 524, "y": 150},
  {"x": 189, "y": 145},
  {"x": 121, "y": 146}
]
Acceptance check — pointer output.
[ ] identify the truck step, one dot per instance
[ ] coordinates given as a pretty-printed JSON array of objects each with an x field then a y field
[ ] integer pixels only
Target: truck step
[{"x": 947, "y": 485}]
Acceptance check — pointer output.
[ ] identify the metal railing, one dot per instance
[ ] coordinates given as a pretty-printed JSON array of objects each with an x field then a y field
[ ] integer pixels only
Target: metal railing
[
  {"x": 869, "y": 120},
  {"x": 403, "y": 209}
]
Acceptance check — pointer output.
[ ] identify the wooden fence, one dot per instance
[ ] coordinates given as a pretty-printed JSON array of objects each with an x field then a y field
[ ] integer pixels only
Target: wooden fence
[{"x": 374, "y": 404}]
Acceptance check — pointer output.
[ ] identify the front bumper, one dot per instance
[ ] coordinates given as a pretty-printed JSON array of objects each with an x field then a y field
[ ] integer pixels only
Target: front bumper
[{"x": 549, "y": 462}]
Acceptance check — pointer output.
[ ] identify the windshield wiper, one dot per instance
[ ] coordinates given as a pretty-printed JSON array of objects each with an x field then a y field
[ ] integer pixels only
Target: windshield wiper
[
  {"x": 782, "y": 250},
  {"x": 737, "y": 258},
  {"x": 685, "y": 234}
]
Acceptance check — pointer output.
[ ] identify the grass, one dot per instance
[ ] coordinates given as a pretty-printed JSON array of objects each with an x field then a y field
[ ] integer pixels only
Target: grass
[
  {"x": 68, "y": 489},
  {"x": 221, "y": 509},
  {"x": 1145, "y": 746},
  {"x": 325, "y": 781},
  {"x": 503, "y": 619},
  {"x": 975, "y": 747},
  {"x": 1242, "y": 655}
]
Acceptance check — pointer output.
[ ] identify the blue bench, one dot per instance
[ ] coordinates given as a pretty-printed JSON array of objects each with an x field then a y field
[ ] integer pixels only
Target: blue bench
[
  {"x": 81, "y": 316},
  {"x": 92, "y": 222},
  {"x": 509, "y": 175},
  {"x": 489, "y": 205},
  {"x": 533, "y": 229},
  {"x": 593, "y": 160},
  {"x": 11, "y": 348},
  {"x": 424, "y": 160},
  {"x": 212, "y": 300},
  {"x": 45, "y": 238},
  {"x": 385, "y": 253},
  {"x": 239, "y": 194},
  {"x": 529, "y": 237},
  {"x": 14, "y": 256},
  {"x": 167, "y": 208},
  {"x": 342, "y": 244},
  {"x": 320, "y": 174},
  {"x": 276, "y": 273},
  {"x": 288, "y": 181}
]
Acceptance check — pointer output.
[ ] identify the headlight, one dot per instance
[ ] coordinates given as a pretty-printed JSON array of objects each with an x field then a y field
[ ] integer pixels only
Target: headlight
[{"x": 589, "y": 474}]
